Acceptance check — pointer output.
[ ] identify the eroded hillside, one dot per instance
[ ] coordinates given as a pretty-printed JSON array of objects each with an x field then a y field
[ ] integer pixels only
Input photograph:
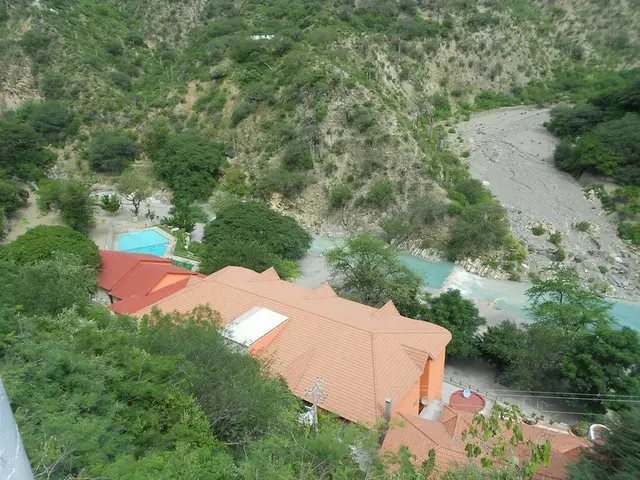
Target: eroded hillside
[{"x": 334, "y": 111}]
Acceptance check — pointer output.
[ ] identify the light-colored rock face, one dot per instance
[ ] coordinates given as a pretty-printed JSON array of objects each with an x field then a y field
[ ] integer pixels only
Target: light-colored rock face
[{"x": 511, "y": 149}]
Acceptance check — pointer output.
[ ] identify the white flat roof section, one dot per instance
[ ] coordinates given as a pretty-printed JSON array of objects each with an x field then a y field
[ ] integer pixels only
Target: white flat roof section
[{"x": 251, "y": 326}]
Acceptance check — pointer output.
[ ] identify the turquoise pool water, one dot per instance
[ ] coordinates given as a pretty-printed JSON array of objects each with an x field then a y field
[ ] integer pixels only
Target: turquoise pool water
[
  {"x": 505, "y": 295},
  {"x": 145, "y": 241}
]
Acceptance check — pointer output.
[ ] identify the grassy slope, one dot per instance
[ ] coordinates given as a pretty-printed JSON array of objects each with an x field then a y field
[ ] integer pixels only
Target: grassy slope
[{"x": 365, "y": 92}]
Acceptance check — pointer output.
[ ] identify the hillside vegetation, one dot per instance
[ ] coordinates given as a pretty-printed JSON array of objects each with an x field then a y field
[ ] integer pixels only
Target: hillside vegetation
[{"x": 333, "y": 111}]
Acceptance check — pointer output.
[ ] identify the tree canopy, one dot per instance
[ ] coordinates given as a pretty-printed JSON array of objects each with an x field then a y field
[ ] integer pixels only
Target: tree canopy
[
  {"x": 22, "y": 151},
  {"x": 255, "y": 221},
  {"x": 44, "y": 242},
  {"x": 187, "y": 161},
  {"x": 368, "y": 270},
  {"x": 112, "y": 151},
  {"x": 572, "y": 345},
  {"x": 458, "y": 315},
  {"x": 72, "y": 199}
]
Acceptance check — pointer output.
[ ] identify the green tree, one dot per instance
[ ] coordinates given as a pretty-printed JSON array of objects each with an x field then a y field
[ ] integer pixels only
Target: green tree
[
  {"x": 461, "y": 317},
  {"x": 382, "y": 193},
  {"x": 371, "y": 272},
  {"x": 135, "y": 187},
  {"x": 72, "y": 199},
  {"x": 618, "y": 456},
  {"x": 563, "y": 301},
  {"x": 249, "y": 254},
  {"x": 44, "y": 242},
  {"x": 185, "y": 215},
  {"x": 12, "y": 197},
  {"x": 340, "y": 195},
  {"x": 189, "y": 163},
  {"x": 110, "y": 203},
  {"x": 112, "y": 151},
  {"x": 500, "y": 345},
  {"x": 498, "y": 439},
  {"x": 21, "y": 150},
  {"x": 482, "y": 228},
  {"x": 65, "y": 279},
  {"x": 54, "y": 120},
  {"x": 255, "y": 221}
]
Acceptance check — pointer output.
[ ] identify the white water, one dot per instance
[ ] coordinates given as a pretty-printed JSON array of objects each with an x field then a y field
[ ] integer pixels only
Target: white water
[{"x": 496, "y": 299}]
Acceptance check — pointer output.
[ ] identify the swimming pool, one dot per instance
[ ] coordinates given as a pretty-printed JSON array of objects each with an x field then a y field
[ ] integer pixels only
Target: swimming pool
[{"x": 144, "y": 241}]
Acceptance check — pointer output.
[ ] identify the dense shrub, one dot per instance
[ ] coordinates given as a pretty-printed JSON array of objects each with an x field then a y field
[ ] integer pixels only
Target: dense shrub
[
  {"x": 54, "y": 120},
  {"x": 382, "y": 193},
  {"x": 340, "y": 195},
  {"x": 472, "y": 191},
  {"x": 12, "y": 197},
  {"x": 189, "y": 163},
  {"x": 242, "y": 111},
  {"x": 45, "y": 242},
  {"x": 256, "y": 221},
  {"x": 112, "y": 151},
  {"x": 297, "y": 155},
  {"x": 21, "y": 150},
  {"x": 121, "y": 80},
  {"x": 481, "y": 229},
  {"x": 285, "y": 182},
  {"x": 72, "y": 199}
]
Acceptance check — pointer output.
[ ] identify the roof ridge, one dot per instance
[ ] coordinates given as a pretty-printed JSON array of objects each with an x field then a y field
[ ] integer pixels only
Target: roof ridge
[
  {"x": 374, "y": 380},
  {"x": 323, "y": 291},
  {"x": 410, "y": 351},
  {"x": 239, "y": 287},
  {"x": 269, "y": 275},
  {"x": 387, "y": 310}
]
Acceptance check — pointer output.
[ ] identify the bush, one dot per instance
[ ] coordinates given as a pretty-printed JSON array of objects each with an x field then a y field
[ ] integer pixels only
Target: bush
[
  {"x": 110, "y": 203},
  {"x": 473, "y": 191},
  {"x": 71, "y": 198},
  {"x": 12, "y": 197},
  {"x": 189, "y": 163},
  {"x": 482, "y": 228},
  {"x": 556, "y": 238},
  {"x": 630, "y": 231},
  {"x": 45, "y": 242},
  {"x": 54, "y": 120},
  {"x": 583, "y": 226},
  {"x": 340, "y": 195},
  {"x": 560, "y": 255},
  {"x": 285, "y": 182},
  {"x": 235, "y": 181},
  {"x": 382, "y": 193},
  {"x": 538, "y": 230},
  {"x": 121, "y": 80},
  {"x": 255, "y": 221},
  {"x": 111, "y": 151},
  {"x": 297, "y": 155},
  {"x": 242, "y": 111},
  {"x": 113, "y": 47},
  {"x": 134, "y": 38}
]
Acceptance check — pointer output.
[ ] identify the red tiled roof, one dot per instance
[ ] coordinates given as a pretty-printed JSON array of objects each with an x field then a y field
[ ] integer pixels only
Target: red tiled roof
[
  {"x": 131, "y": 277},
  {"x": 363, "y": 353},
  {"x": 445, "y": 437},
  {"x": 115, "y": 265}
]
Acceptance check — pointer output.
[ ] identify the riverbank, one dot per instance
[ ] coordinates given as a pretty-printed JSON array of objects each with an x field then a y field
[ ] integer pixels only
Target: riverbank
[{"x": 512, "y": 151}]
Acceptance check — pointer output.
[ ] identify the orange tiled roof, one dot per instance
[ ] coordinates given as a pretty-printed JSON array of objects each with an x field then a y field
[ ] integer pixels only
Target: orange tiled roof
[
  {"x": 363, "y": 353},
  {"x": 132, "y": 278},
  {"x": 445, "y": 437}
]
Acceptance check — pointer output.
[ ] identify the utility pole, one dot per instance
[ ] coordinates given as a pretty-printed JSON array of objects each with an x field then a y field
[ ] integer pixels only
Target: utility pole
[{"x": 317, "y": 395}]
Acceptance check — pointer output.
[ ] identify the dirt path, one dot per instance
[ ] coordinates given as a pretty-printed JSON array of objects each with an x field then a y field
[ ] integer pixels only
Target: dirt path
[
  {"x": 511, "y": 149},
  {"x": 29, "y": 217}
]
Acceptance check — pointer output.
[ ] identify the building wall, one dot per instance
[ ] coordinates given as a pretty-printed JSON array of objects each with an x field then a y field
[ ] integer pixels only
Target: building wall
[
  {"x": 262, "y": 343},
  {"x": 170, "y": 279},
  {"x": 432, "y": 378},
  {"x": 410, "y": 403}
]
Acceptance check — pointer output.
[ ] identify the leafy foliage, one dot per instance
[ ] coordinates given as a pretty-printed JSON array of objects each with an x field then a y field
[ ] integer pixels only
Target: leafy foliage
[
  {"x": 72, "y": 281},
  {"x": 188, "y": 162},
  {"x": 45, "y": 242},
  {"x": 482, "y": 228},
  {"x": 54, "y": 120},
  {"x": 255, "y": 221},
  {"x": 110, "y": 203},
  {"x": 615, "y": 457},
  {"x": 71, "y": 198},
  {"x": 21, "y": 150},
  {"x": 12, "y": 197},
  {"x": 112, "y": 151},
  {"x": 460, "y": 317},
  {"x": 370, "y": 271}
]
